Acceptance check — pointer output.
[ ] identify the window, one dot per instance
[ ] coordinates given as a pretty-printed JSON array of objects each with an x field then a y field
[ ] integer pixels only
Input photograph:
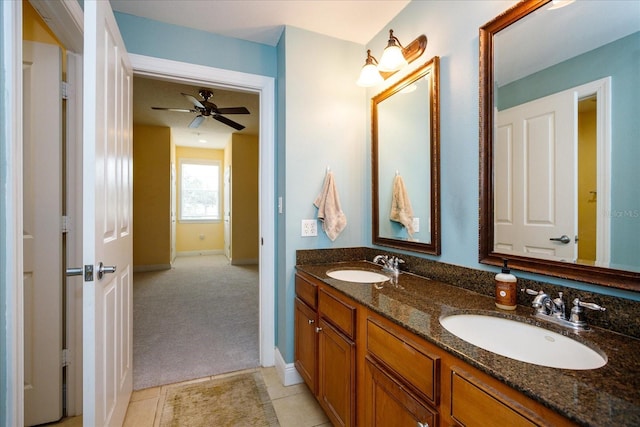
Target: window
[{"x": 199, "y": 190}]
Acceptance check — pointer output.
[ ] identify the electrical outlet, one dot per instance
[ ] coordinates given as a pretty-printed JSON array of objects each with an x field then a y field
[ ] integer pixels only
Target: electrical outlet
[
  {"x": 309, "y": 228},
  {"x": 416, "y": 225}
]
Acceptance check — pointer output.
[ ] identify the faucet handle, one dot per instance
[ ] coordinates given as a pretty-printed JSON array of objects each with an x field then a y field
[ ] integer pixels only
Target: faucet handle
[
  {"x": 577, "y": 316},
  {"x": 589, "y": 305}
]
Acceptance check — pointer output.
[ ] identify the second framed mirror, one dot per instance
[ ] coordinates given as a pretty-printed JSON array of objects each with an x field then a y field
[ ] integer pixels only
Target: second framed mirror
[{"x": 405, "y": 169}]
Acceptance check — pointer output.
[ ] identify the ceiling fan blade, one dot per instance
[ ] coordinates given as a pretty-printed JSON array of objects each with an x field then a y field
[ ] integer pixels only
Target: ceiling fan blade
[
  {"x": 228, "y": 122},
  {"x": 179, "y": 110},
  {"x": 233, "y": 110},
  {"x": 196, "y": 122},
  {"x": 193, "y": 100}
]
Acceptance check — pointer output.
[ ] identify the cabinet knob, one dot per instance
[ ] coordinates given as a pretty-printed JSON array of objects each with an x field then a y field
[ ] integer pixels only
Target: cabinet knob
[
  {"x": 311, "y": 321},
  {"x": 423, "y": 424},
  {"x": 318, "y": 329}
]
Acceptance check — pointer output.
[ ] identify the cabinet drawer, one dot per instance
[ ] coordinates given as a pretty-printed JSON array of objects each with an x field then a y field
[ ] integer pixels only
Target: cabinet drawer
[
  {"x": 307, "y": 291},
  {"x": 337, "y": 312},
  {"x": 389, "y": 403},
  {"x": 414, "y": 365},
  {"x": 473, "y": 403}
]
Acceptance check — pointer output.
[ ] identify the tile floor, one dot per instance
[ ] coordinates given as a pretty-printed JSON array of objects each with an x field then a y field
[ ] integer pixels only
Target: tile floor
[{"x": 295, "y": 405}]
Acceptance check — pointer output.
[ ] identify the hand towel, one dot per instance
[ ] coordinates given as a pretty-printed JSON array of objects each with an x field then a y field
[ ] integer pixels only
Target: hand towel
[
  {"x": 401, "y": 210},
  {"x": 329, "y": 211}
]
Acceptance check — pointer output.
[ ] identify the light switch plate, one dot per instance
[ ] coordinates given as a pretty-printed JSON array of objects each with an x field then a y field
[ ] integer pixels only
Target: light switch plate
[
  {"x": 416, "y": 225},
  {"x": 309, "y": 228}
]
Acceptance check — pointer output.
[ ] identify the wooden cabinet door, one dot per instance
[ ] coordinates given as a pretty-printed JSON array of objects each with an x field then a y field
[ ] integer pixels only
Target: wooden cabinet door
[
  {"x": 306, "y": 344},
  {"x": 389, "y": 404},
  {"x": 336, "y": 375}
]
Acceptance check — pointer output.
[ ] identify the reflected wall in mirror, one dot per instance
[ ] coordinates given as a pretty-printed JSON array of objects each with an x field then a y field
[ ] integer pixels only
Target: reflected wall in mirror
[
  {"x": 405, "y": 158},
  {"x": 559, "y": 132}
]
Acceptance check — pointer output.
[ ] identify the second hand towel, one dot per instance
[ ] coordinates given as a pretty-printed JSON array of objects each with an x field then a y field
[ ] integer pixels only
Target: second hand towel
[
  {"x": 401, "y": 210},
  {"x": 329, "y": 210}
]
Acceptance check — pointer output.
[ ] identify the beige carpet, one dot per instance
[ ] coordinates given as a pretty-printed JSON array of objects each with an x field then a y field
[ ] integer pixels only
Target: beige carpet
[
  {"x": 235, "y": 400},
  {"x": 197, "y": 320}
]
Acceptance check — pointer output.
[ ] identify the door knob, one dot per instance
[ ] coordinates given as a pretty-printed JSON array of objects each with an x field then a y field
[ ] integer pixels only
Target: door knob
[
  {"x": 562, "y": 239},
  {"x": 104, "y": 269}
]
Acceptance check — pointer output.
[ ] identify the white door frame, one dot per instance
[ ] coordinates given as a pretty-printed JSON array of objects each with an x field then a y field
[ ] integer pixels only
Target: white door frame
[
  {"x": 11, "y": 156},
  {"x": 265, "y": 86}
]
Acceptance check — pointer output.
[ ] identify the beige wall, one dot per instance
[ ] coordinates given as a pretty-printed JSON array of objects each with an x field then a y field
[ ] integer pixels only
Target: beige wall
[
  {"x": 151, "y": 196},
  {"x": 192, "y": 238},
  {"x": 244, "y": 199},
  {"x": 34, "y": 28},
  {"x": 587, "y": 184}
]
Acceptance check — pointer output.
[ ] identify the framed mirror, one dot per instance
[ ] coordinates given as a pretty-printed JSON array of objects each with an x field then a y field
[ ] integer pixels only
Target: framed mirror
[
  {"x": 405, "y": 143},
  {"x": 559, "y": 132}
]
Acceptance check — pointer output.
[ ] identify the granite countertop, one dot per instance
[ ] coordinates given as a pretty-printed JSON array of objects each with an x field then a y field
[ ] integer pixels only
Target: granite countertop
[{"x": 608, "y": 396}]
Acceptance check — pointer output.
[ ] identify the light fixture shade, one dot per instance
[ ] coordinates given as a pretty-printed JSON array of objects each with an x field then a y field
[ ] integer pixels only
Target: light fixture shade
[
  {"x": 369, "y": 76},
  {"x": 392, "y": 59},
  {"x": 557, "y": 4}
]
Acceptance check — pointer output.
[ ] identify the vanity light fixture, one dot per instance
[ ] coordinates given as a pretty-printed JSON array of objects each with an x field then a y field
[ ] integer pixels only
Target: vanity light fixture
[
  {"x": 393, "y": 59},
  {"x": 369, "y": 75}
]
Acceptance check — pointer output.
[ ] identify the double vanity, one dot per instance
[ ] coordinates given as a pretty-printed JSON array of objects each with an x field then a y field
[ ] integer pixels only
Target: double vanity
[{"x": 380, "y": 349}]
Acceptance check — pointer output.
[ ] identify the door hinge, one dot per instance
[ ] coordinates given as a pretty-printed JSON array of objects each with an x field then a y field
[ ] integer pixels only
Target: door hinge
[
  {"x": 66, "y": 355},
  {"x": 66, "y": 224},
  {"x": 65, "y": 88}
]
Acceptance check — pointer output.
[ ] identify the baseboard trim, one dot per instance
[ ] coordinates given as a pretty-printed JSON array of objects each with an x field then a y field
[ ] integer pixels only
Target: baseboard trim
[
  {"x": 286, "y": 371},
  {"x": 244, "y": 261},
  {"x": 151, "y": 267},
  {"x": 198, "y": 253}
]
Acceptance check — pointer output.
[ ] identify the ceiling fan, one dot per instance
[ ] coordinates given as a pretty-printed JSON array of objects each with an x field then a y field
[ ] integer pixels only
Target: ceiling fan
[{"x": 205, "y": 108}]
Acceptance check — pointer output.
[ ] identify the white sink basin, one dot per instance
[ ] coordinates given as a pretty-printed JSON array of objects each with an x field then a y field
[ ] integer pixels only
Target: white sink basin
[
  {"x": 358, "y": 276},
  {"x": 524, "y": 342}
]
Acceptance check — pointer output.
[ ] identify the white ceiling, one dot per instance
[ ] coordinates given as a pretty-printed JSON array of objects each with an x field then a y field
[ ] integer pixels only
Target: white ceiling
[{"x": 260, "y": 21}]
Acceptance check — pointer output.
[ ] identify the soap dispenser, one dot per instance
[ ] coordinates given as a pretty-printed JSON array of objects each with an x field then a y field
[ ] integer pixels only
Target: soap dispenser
[{"x": 506, "y": 294}]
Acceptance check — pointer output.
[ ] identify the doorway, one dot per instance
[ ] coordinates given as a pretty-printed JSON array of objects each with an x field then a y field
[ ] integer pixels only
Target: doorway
[
  {"x": 185, "y": 306},
  {"x": 265, "y": 87}
]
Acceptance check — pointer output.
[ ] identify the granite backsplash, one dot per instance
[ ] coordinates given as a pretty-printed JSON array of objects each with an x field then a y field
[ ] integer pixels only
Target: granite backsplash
[{"x": 622, "y": 315}]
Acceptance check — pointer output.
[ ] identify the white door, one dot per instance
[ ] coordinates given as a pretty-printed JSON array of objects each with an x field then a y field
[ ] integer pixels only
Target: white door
[
  {"x": 227, "y": 212},
  {"x": 174, "y": 206},
  {"x": 107, "y": 227},
  {"x": 535, "y": 178},
  {"x": 42, "y": 237}
]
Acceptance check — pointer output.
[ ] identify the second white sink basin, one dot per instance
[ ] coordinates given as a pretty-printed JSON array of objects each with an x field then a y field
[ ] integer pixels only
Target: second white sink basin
[
  {"x": 524, "y": 342},
  {"x": 358, "y": 276}
]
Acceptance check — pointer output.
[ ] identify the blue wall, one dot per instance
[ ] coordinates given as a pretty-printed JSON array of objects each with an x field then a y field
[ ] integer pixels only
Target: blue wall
[{"x": 156, "y": 39}]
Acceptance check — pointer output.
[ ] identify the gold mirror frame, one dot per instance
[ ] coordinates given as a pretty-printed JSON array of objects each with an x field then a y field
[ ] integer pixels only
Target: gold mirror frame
[
  {"x": 432, "y": 69},
  {"x": 590, "y": 274}
]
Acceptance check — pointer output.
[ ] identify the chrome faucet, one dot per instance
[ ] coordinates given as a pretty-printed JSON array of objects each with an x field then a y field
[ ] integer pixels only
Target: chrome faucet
[
  {"x": 553, "y": 310},
  {"x": 390, "y": 264}
]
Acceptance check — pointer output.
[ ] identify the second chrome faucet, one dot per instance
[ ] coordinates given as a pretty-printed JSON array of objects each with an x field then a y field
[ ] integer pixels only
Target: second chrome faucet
[{"x": 554, "y": 310}]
